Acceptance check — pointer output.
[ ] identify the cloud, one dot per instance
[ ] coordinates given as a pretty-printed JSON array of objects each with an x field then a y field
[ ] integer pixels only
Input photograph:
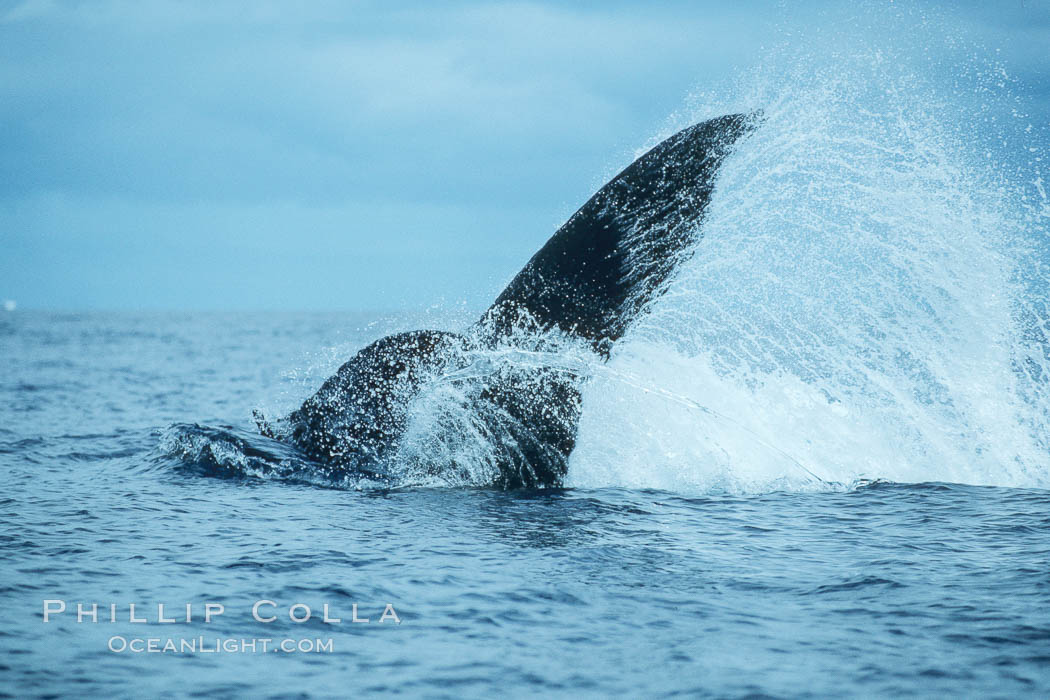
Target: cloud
[
  {"x": 341, "y": 125},
  {"x": 187, "y": 100}
]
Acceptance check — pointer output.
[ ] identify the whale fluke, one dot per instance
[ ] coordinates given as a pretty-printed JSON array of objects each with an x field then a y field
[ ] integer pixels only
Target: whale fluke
[
  {"x": 591, "y": 280},
  {"x": 599, "y": 270}
]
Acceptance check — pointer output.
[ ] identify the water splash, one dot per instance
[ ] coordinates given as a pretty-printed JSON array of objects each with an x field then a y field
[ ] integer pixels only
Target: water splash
[
  {"x": 455, "y": 436},
  {"x": 868, "y": 299}
]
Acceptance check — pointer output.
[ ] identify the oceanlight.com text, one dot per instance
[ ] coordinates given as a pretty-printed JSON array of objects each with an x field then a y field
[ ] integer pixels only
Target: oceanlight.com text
[{"x": 217, "y": 645}]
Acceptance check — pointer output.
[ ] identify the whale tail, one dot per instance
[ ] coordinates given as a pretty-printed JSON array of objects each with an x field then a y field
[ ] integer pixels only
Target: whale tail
[
  {"x": 598, "y": 271},
  {"x": 591, "y": 280}
]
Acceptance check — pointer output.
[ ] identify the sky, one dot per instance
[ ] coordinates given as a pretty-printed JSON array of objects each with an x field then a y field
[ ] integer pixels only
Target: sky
[{"x": 358, "y": 155}]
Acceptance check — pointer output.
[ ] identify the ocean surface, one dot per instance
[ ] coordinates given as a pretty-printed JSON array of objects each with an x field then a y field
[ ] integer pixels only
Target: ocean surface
[
  {"x": 864, "y": 589},
  {"x": 817, "y": 465}
]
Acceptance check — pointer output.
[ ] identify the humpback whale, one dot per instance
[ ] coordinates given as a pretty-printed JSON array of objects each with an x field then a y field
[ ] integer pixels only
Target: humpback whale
[{"x": 590, "y": 281}]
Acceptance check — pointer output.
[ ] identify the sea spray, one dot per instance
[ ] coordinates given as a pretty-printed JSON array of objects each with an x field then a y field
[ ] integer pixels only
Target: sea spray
[{"x": 865, "y": 302}]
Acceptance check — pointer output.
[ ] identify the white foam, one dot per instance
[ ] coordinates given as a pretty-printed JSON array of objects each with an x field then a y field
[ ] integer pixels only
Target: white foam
[{"x": 866, "y": 302}]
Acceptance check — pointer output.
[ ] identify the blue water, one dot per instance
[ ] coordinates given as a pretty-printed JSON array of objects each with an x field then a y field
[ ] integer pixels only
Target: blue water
[
  {"x": 872, "y": 590},
  {"x": 818, "y": 465}
]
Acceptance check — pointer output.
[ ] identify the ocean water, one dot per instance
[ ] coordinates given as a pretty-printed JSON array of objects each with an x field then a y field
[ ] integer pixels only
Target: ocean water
[
  {"x": 879, "y": 589},
  {"x": 818, "y": 465}
]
